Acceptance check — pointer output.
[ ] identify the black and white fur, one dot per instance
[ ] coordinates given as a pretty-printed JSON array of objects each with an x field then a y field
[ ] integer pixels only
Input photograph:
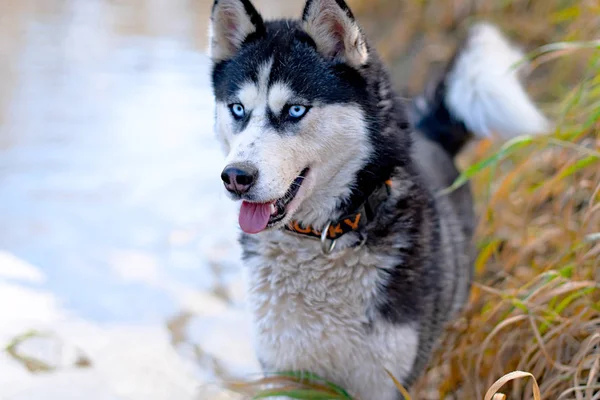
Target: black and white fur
[{"x": 380, "y": 303}]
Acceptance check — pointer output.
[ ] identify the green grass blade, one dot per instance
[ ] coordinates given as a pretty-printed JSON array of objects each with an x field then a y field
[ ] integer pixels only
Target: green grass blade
[
  {"x": 301, "y": 394},
  {"x": 308, "y": 377},
  {"x": 559, "y": 46},
  {"x": 507, "y": 149},
  {"x": 577, "y": 166}
]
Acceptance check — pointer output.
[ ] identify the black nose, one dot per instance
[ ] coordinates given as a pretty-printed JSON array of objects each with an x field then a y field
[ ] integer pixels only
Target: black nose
[{"x": 239, "y": 178}]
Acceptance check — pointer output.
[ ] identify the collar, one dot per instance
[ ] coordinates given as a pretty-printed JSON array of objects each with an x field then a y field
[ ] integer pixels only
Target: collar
[{"x": 352, "y": 222}]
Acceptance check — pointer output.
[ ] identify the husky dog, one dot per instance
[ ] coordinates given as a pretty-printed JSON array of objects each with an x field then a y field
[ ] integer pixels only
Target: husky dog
[{"x": 355, "y": 260}]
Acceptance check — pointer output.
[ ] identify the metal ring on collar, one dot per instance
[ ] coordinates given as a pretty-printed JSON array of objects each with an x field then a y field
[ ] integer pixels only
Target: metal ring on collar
[{"x": 327, "y": 248}]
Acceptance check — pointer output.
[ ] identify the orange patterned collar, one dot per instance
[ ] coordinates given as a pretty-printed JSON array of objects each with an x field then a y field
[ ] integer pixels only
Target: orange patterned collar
[{"x": 349, "y": 223}]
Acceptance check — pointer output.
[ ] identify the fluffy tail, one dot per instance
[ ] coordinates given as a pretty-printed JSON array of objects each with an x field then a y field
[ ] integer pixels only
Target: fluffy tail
[{"x": 480, "y": 95}]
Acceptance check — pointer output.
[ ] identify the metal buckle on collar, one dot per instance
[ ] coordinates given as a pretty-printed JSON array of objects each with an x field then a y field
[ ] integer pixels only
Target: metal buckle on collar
[{"x": 327, "y": 248}]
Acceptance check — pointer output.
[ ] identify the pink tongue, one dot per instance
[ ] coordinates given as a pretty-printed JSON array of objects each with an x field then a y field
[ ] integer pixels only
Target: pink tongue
[{"x": 254, "y": 217}]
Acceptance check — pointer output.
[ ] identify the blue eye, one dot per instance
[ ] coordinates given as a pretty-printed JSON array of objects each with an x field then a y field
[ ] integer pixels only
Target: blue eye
[
  {"x": 297, "y": 111},
  {"x": 237, "y": 110}
]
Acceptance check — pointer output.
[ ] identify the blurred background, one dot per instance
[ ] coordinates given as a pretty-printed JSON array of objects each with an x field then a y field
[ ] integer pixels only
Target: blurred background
[{"x": 119, "y": 271}]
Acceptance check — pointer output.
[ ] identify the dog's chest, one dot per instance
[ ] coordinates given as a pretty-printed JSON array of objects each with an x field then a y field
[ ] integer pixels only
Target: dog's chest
[
  {"x": 313, "y": 298},
  {"x": 318, "y": 314}
]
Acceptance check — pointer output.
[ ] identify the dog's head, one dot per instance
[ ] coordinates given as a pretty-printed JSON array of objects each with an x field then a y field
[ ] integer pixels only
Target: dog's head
[{"x": 292, "y": 110}]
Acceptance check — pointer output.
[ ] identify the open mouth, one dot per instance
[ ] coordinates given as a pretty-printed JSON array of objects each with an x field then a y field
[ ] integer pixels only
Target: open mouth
[{"x": 256, "y": 217}]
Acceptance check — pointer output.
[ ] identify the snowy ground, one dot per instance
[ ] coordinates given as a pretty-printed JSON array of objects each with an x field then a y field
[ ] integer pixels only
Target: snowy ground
[{"x": 117, "y": 248}]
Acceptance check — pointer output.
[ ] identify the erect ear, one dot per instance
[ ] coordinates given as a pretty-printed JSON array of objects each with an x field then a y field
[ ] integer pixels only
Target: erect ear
[
  {"x": 332, "y": 26},
  {"x": 232, "y": 21}
]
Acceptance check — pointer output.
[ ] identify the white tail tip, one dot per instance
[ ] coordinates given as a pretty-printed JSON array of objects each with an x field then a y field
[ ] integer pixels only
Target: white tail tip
[{"x": 484, "y": 90}]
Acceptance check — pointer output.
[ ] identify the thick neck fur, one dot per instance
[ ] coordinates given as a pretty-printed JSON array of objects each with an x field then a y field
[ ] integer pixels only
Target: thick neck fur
[
  {"x": 390, "y": 140},
  {"x": 389, "y": 133}
]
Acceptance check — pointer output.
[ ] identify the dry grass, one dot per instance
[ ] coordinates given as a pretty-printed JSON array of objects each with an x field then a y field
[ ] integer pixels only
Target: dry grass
[
  {"x": 535, "y": 307},
  {"x": 36, "y": 365}
]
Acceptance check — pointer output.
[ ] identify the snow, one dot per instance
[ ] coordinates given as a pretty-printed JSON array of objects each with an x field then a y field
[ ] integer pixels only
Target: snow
[{"x": 114, "y": 221}]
